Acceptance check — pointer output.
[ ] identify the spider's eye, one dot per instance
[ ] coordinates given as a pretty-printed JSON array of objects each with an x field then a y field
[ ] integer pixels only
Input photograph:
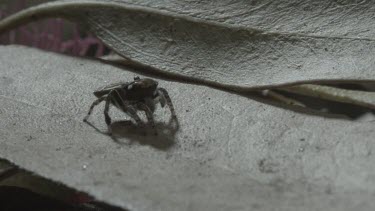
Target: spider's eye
[{"x": 135, "y": 86}]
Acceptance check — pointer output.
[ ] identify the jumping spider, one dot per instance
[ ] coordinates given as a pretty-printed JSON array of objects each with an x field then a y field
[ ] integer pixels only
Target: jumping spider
[{"x": 140, "y": 94}]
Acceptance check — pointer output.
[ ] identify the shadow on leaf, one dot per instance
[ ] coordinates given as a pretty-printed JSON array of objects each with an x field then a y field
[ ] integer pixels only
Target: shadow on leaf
[
  {"x": 126, "y": 133},
  {"x": 313, "y": 106}
]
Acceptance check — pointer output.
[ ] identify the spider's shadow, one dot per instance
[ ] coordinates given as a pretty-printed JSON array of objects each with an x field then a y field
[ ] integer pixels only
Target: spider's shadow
[
  {"x": 126, "y": 133},
  {"x": 315, "y": 106}
]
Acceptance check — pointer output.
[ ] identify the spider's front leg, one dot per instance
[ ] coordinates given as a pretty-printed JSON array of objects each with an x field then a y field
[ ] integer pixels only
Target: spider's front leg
[
  {"x": 128, "y": 108},
  {"x": 133, "y": 114},
  {"x": 108, "y": 120},
  {"x": 95, "y": 103},
  {"x": 164, "y": 93},
  {"x": 149, "y": 115}
]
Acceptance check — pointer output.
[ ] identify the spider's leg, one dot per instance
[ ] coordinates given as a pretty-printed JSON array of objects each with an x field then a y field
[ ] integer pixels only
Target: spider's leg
[
  {"x": 150, "y": 117},
  {"x": 95, "y": 103},
  {"x": 165, "y": 94},
  {"x": 159, "y": 98},
  {"x": 106, "y": 115},
  {"x": 129, "y": 109},
  {"x": 133, "y": 113}
]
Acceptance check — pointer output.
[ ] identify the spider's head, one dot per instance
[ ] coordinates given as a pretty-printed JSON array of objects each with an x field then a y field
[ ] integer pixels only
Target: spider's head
[
  {"x": 144, "y": 83},
  {"x": 141, "y": 87}
]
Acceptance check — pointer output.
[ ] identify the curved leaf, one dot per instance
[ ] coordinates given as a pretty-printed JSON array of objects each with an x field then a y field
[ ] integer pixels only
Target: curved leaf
[
  {"x": 325, "y": 18},
  {"x": 235, "y": 56}
]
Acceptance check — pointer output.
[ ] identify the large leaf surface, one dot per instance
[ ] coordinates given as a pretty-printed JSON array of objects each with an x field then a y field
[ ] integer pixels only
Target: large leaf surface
[
  {"x": 230, "y": 152},
  {"x": 332, "y": 18},
  {"x": 230, "y": 47}
]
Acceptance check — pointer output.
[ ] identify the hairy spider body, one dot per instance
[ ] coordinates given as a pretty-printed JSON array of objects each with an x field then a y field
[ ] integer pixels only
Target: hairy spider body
[{"x": 130, "y": 97}]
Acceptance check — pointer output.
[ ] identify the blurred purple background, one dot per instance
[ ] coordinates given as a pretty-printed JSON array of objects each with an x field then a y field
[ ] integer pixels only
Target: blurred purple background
[{"x": 56, "y": 35}]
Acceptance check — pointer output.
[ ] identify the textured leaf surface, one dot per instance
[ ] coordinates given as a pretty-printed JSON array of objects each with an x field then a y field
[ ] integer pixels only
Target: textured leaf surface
[
  {"x": 230, "y": 153},
  {"x": 230, "y": 47},
  {"x": 336, "y": 18}
]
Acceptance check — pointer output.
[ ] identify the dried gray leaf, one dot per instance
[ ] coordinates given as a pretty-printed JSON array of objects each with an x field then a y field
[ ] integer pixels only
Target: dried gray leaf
[
  {"x": 230, "y": 153},
  {"x": 332, "y": 18},
  {"x": 225, "y": 47}
]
